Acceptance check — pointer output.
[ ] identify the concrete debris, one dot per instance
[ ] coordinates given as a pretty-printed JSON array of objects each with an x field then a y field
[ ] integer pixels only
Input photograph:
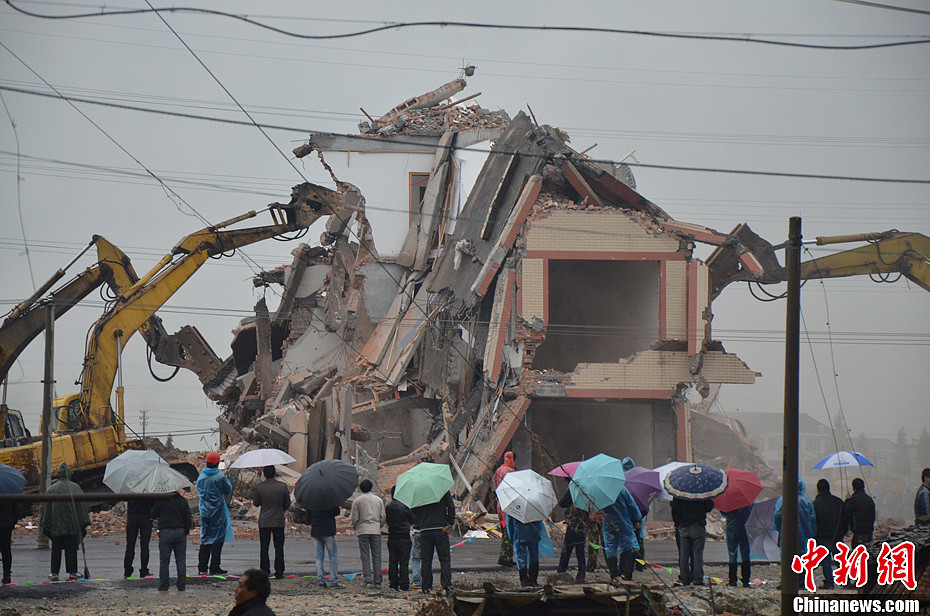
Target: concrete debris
[{"x": 540, "y": 305}]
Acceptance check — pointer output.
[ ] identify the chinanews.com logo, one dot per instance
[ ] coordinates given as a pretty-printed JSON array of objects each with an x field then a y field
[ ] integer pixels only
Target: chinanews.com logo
[
  {"x": 837, "y": 604},
  {"x": 893, "y": 564}
]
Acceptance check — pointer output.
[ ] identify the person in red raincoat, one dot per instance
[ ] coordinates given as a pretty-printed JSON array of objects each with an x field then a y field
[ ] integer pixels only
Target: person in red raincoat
[{"x": 506, "y": 557}]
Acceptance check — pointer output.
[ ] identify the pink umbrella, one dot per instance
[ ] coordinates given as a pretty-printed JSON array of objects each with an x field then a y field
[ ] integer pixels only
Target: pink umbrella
[
  {"x": 742, "y": 489},
  {"x": 566, "y": 470}
]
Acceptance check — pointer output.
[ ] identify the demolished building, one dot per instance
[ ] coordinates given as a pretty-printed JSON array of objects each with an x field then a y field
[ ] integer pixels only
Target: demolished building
[{"x": 490, "y": 288}]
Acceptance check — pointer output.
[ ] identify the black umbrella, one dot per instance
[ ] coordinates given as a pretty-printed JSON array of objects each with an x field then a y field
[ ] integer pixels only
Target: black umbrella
[{"x": 326, "y": 484}]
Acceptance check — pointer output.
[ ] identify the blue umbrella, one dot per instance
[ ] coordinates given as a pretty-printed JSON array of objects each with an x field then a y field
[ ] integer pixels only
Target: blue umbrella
[
  {"x": 760, "y": 528},
  {"x": 696, "y": 482},
  {"x": 12, "y": 480},
  {"x": 597, "y": 482},
  {"x": 843, "y": 458}
]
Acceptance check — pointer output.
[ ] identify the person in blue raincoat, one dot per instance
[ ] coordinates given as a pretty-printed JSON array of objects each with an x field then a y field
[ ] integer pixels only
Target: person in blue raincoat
[
  {"x": 525, "y": 538},
  {"x": 215, "y": 525},
  {"x": 807, "y": 518},
  {"x": 628, "y": 465},
  {"x": 622, "y": 520}
]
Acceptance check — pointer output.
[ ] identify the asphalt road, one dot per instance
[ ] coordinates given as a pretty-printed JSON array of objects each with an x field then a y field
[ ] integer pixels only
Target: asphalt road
[{"x": 105, "y": 556}]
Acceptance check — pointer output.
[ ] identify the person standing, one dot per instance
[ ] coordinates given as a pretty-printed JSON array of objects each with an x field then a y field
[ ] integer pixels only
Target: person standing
[
  {"x": 138, "y": 525},
  {"x": 10, "y": 513},
  {"x": 323, "y": 532},
  {"x": 922, "y": 499},
  {"x": 575, "y": 522},
  {"x": 435, "y": 521},
  {"x": 640, "y": 556},
  {"x": 415, "y": 578},
  {"x": 738, "y": 543},
  {"x": 215, "y": 525},
  {"x": 274, "y": 499},
  {"x": 621, "y": 522},
  {"x": 690, "y": 517},
  {"x": 525, "y": 538},
  {"x": 807, "y": 519},
  {"x": 367, "y": 519},
  {"x": 399, "y": 518},
  {"x": 828, "y": 511},
  {"x": 252, "y": 592},
  {"x": 174, "y": 523},
  {"x": 859, "y": 513},
  {"x": 506, "y": 556},
  {"x": 64, "y": 523}
]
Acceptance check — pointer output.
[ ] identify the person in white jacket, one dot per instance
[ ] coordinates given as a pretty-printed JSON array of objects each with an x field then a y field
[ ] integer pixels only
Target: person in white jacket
[{"x": 367, "y": 519}]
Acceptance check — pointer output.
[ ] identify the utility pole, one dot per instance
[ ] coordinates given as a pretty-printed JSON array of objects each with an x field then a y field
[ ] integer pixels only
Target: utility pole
[
  {"x": 789, "y": 517},
  {"x": 144, "y": 418},
  {"x": 48, "y": 393}
]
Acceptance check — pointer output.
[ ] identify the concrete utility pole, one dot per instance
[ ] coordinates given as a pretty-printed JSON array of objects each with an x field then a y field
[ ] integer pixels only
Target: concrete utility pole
[
  {"x": 144, "y": 420},
  {"x": 789, "y": 508},
  {"x": 48, "y": 393}
]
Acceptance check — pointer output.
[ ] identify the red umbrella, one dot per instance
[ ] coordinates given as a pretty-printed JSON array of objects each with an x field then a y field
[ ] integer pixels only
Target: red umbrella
[
  {"x": 742, "y": 489},
  {"x": 566, "y": 470}
]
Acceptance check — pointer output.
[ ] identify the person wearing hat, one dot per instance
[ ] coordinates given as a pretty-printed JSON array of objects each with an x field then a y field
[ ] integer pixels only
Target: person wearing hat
[{"x": 215, "y": 524}]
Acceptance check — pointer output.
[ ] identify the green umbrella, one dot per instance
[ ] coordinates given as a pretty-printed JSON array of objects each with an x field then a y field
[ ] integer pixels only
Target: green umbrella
[
  {"x": 597, "y": 482},
  {"x": 424, "y": 484}
]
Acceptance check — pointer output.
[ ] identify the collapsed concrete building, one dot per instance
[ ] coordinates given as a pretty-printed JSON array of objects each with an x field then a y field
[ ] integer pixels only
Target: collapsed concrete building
[{"x": 490, "y": 288}]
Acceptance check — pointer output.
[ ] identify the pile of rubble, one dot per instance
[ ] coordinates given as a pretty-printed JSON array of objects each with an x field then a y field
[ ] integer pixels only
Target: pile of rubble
[{"x": 438, "y": 349}]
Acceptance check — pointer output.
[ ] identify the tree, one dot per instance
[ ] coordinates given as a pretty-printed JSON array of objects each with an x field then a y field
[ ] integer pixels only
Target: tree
[
  {"x": 923, "y": 448},
  {"x": 168, "y": 442},
  {"x": 901, "y": 463}
]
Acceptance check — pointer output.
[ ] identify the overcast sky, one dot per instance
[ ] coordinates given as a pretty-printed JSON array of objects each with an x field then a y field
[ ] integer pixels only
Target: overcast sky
[{"x": 675, "y": 101}]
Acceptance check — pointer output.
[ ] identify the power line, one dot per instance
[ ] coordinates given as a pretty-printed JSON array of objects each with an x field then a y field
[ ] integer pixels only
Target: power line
[
  {"x": 477, "y": 149},
  {"x": 876, "y": 5},
  {"x": 19, "y": 200},
  {"x": 473, "y": 25}
]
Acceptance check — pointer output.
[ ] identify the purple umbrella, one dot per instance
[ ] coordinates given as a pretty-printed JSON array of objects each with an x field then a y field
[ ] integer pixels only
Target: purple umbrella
[
  {"x": 566, "y": 470},
  {"x": 644, "y": 485}
]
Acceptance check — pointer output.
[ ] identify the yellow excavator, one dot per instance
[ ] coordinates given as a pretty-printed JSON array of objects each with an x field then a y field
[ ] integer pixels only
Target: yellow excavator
[
  {"x": 885, "y": 254},
  {"x": 87, "y": 431}
]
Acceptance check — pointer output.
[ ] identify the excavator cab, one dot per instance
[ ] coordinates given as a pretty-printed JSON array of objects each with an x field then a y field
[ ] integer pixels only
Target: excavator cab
[{"x": 15, "y": 433}]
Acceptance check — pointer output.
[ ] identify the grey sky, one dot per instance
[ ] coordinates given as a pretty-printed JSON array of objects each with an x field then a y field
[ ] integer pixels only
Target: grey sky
[{"x": 675, "y": 102}]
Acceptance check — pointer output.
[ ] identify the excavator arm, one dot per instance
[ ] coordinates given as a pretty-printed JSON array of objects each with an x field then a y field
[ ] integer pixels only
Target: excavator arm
[
  {"x": 886, "y": 253},
  {"x": 890, "y": 252},
  {"x": 138, "y": 303},
  {"x": 27, "y": 320}
]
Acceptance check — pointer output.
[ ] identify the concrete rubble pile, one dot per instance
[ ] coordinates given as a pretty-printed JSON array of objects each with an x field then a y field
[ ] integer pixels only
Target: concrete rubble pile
[{"x": 530, "y": 298}]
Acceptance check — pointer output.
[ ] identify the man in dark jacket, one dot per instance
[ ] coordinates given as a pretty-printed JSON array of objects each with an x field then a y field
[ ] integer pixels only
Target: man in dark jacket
[
  {"x": 828, "y": 510},
  {"x": 174, "y": 523},
  {"x": 859, "y": 514},
  {"x": 10, "y": 513},
  {"x": 435, "y": 521},
  {"x": 690, "y": 517},
  {"x": 138, "y": 524},
  {"x": 274, "y": 498},
  {"x": 64, "y": 523},
  {"x": 251, "y": 593},
  {"x": 575, "y": 540},
  {"x": 399, "y": 518},
  {"x": 323, "y": 532},
  {"x": 922, "y": 499}
]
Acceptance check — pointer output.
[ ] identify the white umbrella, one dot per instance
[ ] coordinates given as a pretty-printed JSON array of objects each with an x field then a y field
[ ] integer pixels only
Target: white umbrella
[
  {"x": 159, "y": 479},
  {"x": 129, "y": 465},
  {"x": 663, "y": 471},
  {"x": 526, "y": 496},
  {"x": 261, "y": 458}
]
